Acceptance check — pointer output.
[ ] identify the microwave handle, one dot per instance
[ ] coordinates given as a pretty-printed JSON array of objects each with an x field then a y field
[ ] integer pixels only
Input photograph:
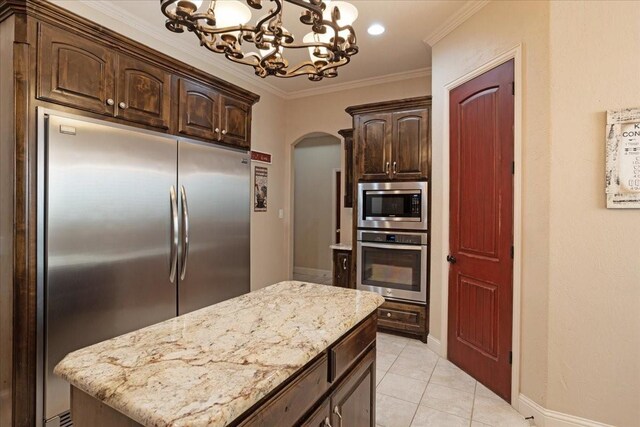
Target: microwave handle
[{"x": 391, "y": 246}]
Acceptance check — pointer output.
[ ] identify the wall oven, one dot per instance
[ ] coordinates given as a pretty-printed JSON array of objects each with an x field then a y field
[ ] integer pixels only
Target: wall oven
[
  {"x": 393, "y": 205},
  {"x": 393, "y": 264}
]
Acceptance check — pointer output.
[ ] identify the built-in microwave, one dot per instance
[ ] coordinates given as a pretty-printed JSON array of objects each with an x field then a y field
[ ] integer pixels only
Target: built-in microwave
[{"x": 393, "y": 205}]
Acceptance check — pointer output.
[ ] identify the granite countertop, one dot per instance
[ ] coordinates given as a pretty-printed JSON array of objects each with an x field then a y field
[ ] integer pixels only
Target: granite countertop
[
  {"x": 207, "y": 367},
  {"x": 341, "y": 246}
]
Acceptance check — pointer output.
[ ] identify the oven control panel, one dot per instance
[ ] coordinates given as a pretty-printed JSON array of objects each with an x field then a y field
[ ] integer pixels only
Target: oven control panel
[{"x": 401, "y": 238}]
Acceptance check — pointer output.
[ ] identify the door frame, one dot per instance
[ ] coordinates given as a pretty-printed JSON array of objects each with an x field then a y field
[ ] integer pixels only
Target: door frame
[
  {"x": 336, "y": 204},
  {"x": 514, "y": 53}
]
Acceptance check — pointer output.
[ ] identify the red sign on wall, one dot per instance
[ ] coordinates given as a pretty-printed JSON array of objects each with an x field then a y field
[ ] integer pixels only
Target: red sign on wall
[{"x": 258, "y": 156}]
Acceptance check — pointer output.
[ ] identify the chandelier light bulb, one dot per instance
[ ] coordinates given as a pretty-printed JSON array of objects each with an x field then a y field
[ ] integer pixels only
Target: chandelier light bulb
[
  {"x": 348, "y": 12},
  {"x": 317, "y": 53},
  {"x": 230, "y": 13}
]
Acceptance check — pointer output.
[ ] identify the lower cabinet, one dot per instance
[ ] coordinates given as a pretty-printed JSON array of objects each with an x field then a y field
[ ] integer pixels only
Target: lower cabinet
[
  {"x": 405, "y": 318},
  {"x": 338, "y": 389},
  {"x": 341, "y": 268},
  {"x": 353, "y": 402}
]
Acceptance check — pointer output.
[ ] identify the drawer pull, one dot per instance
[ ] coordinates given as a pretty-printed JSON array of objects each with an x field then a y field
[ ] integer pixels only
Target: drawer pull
[
  {"x": 388, "y": 314},
  {"x": 327, "y": 423}
]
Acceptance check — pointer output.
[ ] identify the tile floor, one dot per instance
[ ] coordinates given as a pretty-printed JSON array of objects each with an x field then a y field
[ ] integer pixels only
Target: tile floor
[{"x": 418, "y": 388}]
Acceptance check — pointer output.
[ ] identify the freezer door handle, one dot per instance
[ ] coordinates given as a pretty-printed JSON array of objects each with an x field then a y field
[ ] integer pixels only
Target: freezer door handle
[
  {"x": 174, "y": 234},
  {"x": 185, "y": 234}
]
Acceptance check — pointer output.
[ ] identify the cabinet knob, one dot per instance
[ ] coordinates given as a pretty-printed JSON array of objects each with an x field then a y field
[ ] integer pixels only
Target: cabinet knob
[
  {"x": 224, "y": 131},
  {"x": 122, "y": 105},
  {"x": 388, "y": 314},
  {"x": 217, "y": 130},
  {"x": 110, "y": 101}
]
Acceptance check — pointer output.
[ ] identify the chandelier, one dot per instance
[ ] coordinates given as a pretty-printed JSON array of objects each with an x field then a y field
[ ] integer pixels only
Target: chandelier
[{"x": 221, "y": 26}]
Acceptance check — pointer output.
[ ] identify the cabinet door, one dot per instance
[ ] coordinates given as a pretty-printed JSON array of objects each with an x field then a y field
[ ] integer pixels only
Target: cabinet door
[
  {"x": 74, "y": 71},
  {"x": 341, "y": 268},
  {"x": 321, "y": 417},
  {"x": 353, "y": 403},
  {"x": 373, "y": 133},
  {"x": 236, "y": 123},
  {"x": 144, "y": 92},
  {"x": 410, "y": 148},
  {"x": 198, "y": 110}
]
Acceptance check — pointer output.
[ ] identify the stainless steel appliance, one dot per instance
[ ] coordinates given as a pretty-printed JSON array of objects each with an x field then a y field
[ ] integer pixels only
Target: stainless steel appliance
[
  {"x": 393, "y": 264},
  {"x": 393, "y": 205},
  {"x": 136, "y": 227}
]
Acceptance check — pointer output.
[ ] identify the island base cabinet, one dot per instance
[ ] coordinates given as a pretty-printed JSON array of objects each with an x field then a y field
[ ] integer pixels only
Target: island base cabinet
[{"x": 90, "y": 412}]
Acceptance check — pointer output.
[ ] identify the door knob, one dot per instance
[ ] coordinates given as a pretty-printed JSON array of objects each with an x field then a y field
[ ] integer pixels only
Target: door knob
[{"x": 451, "y": 259}]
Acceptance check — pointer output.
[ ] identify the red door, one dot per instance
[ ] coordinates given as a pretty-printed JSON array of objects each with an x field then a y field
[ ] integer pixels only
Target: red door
[{"x": 481, "y": 228}]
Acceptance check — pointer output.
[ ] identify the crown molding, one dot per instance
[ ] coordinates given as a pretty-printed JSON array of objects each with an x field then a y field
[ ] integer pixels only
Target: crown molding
[
  {"x": 353, "y": 84},
  {"x": 111, "y": 9},
  {"x": 454, "y": 21}
]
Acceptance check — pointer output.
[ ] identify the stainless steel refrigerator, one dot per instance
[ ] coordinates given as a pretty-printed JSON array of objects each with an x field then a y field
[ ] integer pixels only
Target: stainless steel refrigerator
[{"x": 138, "y": 227}]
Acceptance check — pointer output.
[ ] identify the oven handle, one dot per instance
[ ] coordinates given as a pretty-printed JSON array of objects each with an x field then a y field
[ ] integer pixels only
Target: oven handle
[
  {"x": 383, "y": 192},
  {"x": 391, "y": 246}
]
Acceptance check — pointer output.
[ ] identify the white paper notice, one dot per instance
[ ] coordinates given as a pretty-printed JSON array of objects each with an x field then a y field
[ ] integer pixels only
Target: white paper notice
[{"x": 623, "y": 158}]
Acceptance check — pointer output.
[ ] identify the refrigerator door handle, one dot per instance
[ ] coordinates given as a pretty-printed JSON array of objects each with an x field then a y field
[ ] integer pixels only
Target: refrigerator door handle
[
  {"x": 174, "y": 234},
  {"x": 185, "y": 235}
]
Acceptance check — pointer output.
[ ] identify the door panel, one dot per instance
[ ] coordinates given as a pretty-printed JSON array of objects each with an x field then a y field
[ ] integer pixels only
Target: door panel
[
  {"x": 375, "y": 146},
  {"x": 353, "y": 403},
  {"x": 410, "y": 146},
  {"x": 216, "y": 186},
  {"x": 74, "y": 71},
  {"x": 108, "y": 239},
  {"x": 481, "y": 233},
  {"x": 199, "y": 110},
  {"x": 145, "y": 91},
  {"x": 236, "y": 124}
]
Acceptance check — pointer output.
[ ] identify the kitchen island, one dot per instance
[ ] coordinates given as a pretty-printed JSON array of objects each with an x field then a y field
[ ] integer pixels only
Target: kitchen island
[{"x": 292, "y": 353}]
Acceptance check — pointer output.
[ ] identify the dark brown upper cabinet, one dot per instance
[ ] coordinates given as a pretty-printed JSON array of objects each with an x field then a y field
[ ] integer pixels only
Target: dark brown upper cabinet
[
  {"x": 74, "y": 71},
  {"x": 82, "y": 72},
  {"x": 409, "y": 147},
  {"x": 373, "y": 133},
  {"x": 347, "y": 134},
  {"x": 205, "y": 113},
  {"x": 144, "y": 93},
  {"x": 236, "y": 122},
  {"x": 199, "y": 110},
  {"x": 392, "y": 139}
]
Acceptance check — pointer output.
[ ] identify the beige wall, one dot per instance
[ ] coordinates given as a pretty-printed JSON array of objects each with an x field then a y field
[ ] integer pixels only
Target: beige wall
[
  {"x": 268, "y": 243},
  {"x": 314, "y": 162},
  {"x": 325, "y": 113},
  {"x": 580, "y": 262},
  {"x": 594, "y": 281},
  {"x": 496, "y": 29}
]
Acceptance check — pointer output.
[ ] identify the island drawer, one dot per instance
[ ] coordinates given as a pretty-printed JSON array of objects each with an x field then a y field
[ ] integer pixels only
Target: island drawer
[
  {"x": 347, "y": 351},
  {"x": 292, "y": 402}
]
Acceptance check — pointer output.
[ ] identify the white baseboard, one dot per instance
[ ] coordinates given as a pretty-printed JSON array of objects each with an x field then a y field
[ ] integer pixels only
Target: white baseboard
[
  {"x": 434, "y": 345},
  {"x": 312, "y": 272},
  {"x": 544, "y": 417}
]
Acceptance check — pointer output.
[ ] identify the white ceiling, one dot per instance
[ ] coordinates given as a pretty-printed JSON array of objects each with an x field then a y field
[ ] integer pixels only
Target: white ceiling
[{"x": 400, "y": 50}]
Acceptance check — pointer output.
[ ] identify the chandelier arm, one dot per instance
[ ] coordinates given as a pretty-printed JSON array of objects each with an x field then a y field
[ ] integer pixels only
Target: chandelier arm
[{"x": 268, "y": 34}]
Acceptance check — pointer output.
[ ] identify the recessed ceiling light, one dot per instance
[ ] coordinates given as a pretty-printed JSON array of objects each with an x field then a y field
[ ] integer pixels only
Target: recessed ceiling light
[{"x": 375, "y": 29}]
